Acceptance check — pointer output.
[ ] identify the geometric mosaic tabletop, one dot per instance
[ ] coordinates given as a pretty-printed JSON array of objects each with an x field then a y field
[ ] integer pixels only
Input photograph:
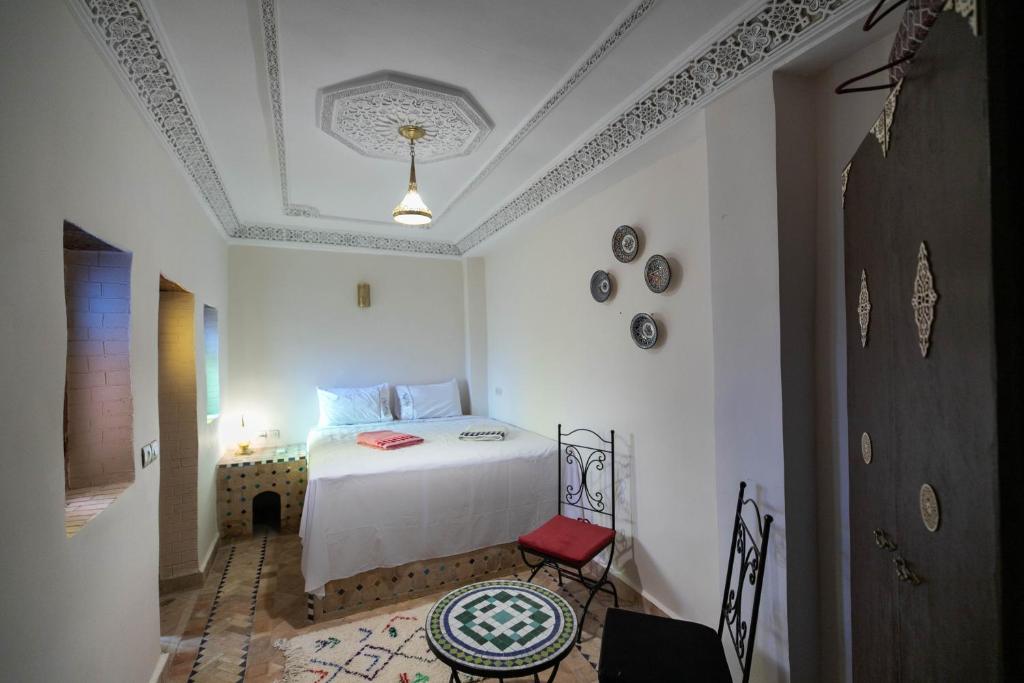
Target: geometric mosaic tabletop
[{"x": 501, "y": 628}]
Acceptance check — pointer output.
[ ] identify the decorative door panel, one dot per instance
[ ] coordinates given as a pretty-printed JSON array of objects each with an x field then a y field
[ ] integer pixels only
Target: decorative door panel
[
  {"x": 926, "y": 607},
  {"x": 937, "y": 173},
  {"x": 872, "y": 452}
]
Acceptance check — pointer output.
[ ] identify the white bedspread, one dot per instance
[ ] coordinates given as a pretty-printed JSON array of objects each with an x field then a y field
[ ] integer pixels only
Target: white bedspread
[{"x": 367, "y": 508}]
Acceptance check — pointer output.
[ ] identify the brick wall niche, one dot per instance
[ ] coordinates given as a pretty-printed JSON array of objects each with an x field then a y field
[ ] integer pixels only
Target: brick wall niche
[
  {"x": 98, "y": 415},
  {"x": 98, "y": 451}
]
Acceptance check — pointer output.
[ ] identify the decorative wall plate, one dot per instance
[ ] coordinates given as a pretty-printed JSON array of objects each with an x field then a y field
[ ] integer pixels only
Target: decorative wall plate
[
  {"x": 866, "y": 450},
  {"x": 600, "y": 286},
  {"x": 625, "y": 243},
  {"x": 929, "y": 503},
  {"x": 657, "y": 274},
  {"x": 644, "y": 330}
]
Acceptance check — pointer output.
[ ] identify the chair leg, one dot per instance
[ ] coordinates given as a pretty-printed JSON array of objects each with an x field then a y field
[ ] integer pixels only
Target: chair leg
[
  {"x": 535, "y": 567},
  {"x": 615, "y": 592},
  {"x": 583, "y": 617},
  {"x": 597, "y": 586}
]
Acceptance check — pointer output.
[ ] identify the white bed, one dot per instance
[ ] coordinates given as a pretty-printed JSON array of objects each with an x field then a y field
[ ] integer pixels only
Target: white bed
[{"x": 366, "y": 508}]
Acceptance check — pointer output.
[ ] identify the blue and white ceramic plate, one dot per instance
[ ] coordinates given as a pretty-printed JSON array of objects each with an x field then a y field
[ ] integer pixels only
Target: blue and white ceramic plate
[
  {"x": 625, "y": 243},
  {"x": 644, "y": 330},
  {"x": 600, "y": 286},
  {"x": 657, "y": 274}
]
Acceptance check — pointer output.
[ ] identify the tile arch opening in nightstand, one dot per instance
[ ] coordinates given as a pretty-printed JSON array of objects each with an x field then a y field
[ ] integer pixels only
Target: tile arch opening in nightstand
[{"x": 242, "y": 478}]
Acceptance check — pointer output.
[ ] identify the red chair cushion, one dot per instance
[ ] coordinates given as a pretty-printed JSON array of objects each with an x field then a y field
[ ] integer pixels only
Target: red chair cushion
[{"x": 568, "y": 540}]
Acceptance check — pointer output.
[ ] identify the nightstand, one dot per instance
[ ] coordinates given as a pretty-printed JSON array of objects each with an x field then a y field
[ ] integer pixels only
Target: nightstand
[{"x": 267, "y": 477}]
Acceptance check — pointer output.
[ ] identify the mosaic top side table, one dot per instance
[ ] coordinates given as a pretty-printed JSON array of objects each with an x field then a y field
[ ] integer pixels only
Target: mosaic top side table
[{"x": 501, "y": 629}]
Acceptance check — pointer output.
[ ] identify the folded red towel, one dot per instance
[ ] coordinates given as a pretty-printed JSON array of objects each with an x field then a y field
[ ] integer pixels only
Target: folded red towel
[{"x": 387, "y": 440}]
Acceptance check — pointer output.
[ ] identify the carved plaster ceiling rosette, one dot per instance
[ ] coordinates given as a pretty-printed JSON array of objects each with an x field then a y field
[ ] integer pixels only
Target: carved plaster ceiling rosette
[
  {"x": 269, "y": 18},
  {"x": 924, "y": 300},
  {"x": 884, "y": 122},
  {"x": 366, "y": 113},
  {"x": 864, "y": 309}
]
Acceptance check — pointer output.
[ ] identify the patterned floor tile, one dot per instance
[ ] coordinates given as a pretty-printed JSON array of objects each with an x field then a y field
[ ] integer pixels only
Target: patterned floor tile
[{"x": 253, "y": 597}]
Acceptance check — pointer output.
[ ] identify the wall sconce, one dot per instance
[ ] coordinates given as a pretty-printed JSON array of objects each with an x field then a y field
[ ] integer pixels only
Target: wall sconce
[{"x": 363, "y": 295}]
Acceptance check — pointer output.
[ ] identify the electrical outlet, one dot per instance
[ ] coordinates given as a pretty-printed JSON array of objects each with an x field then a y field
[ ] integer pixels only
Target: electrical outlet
[{"x": 150, "y": 452}]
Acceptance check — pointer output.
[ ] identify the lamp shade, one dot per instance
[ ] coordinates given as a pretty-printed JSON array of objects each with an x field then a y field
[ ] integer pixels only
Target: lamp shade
[{"x": 412, "y": 210}]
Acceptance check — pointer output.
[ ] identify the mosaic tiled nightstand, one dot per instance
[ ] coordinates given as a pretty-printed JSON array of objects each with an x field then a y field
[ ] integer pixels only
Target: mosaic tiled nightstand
[
  {"x": 240, "y": 478},
  {"x": 501, "y": 629}
]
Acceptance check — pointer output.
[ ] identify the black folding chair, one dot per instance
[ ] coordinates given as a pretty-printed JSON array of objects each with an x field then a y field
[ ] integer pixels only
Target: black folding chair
[
  {"x": 566, "y": 544},
  {"x": 639, "y": 647}
]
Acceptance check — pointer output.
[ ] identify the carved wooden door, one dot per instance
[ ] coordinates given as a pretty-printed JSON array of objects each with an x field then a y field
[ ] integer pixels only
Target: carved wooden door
[{"x": 924, "y": 384}]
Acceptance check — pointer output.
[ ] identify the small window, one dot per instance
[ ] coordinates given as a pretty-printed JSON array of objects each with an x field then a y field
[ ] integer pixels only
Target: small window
[{"x": 211, "y": 340}]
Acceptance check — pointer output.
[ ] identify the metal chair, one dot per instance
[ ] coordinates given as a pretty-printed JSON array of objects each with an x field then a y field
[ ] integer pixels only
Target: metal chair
[
  {"x": 638, "y": 647},
  {"x": 566, "y": 544}
]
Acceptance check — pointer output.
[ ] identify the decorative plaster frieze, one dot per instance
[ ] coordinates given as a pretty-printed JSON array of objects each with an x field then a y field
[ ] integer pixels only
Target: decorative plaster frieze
[
  {"x": 774, "y": 29},
  {"x": 130, "y": 40},
  {"x": 126, "y": 35},
  {"x": 610, "y": 41},
  {"x": 333, "y": 238}
]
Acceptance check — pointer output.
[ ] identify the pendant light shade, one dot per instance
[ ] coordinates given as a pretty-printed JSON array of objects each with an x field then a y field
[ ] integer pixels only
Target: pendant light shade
[{"x": 412, "y": 210}]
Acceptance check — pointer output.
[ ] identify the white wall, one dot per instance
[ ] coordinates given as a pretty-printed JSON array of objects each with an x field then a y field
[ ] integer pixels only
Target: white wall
[
  {"x": 295, "y": 325},
  {"x": 74, "y": 147},
  {"x": 474, "y": 285},
  {"x": 748, "y": 374},
  {"x": 555, "y": 355}
]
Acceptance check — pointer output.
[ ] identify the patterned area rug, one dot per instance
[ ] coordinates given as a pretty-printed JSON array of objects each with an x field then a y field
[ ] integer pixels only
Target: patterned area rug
[{"x": 389, "y": 647}]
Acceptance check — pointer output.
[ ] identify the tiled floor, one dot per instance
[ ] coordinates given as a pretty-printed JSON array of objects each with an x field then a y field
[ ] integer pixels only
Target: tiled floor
[
  {"x": 81, "y": 505},
  {"x": 253, "y": 596}
]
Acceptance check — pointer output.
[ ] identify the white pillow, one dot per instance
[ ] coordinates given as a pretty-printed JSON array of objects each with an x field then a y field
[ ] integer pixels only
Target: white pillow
[
  {"x": 354, "y": 405},
  {"x": 420, "y": 401}
]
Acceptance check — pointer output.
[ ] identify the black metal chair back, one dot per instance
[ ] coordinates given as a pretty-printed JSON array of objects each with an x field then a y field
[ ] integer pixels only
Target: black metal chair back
[
  {"x": 583, "y": 460},
  {"x": 746, "y": 567}
]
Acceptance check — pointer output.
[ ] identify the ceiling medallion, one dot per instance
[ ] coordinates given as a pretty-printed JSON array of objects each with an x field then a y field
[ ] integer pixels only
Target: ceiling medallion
[
  {"x": 412, "y": 210},
  {"x": 364, "y": 113},
  {"x": 924, "y": 300},
  {"x": 864, "y": 309}
]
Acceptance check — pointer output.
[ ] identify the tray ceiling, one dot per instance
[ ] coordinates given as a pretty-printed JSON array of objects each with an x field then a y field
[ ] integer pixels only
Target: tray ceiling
[{"x": 256, "y": 97}]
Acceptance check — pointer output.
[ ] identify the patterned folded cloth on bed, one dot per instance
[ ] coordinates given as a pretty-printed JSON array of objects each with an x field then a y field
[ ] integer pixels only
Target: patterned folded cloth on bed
[
  {"x": 387, "y": 440},
  {"x": 482, "y": 434}
]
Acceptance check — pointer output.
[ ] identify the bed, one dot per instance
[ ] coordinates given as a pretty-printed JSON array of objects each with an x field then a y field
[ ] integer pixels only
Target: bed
[{"x": 367, "y": 508}]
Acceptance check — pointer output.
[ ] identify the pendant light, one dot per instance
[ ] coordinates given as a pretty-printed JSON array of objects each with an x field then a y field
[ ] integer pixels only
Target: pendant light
[{"x": 412, "y": 210}]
